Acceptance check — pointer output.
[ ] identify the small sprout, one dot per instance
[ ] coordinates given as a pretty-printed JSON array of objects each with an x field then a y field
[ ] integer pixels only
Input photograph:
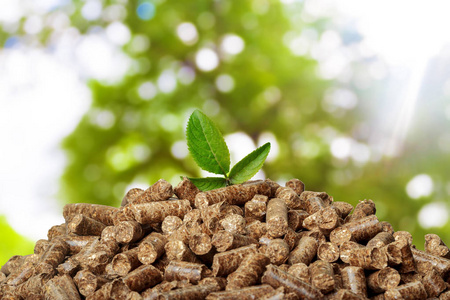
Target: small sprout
[{"x": 209, "y": 150}]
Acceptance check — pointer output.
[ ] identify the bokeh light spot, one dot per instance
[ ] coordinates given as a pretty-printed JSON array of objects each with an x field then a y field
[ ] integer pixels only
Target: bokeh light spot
[
  {"x": 232, "y": 44},
  {"x": 91, "y": 10},
  {"x": 147, "y": 90},
  {"x": 269, "y": 137},
  {"x": 187, "y": 33},
  {"x": 186, "y": 75},
  {"x": 179, "y": 149},
  {"x": 206, "y": 59},
  {"x": 118, "y": 33},
  {"x": 225, "y": 83},
  {"x": 420, "y": 186},
  {"x": 341, "y": 147},
  {"x": 433, "y": 215},
  {"x": 146, "y": 11},
  {"x": 167, "y": 82}
]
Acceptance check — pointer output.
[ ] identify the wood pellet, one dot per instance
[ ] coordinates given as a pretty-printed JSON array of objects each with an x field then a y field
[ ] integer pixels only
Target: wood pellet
[{"x": 256, "y": 240}]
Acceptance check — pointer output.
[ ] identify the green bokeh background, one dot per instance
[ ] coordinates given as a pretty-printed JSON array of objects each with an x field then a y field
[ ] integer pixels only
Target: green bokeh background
[{"x": 274, "y": 91}]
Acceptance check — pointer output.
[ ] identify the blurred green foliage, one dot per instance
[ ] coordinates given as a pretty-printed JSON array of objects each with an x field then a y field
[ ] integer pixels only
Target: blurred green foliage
[
  {"x": 275, "y": 91},
  {"x": 12, "y": 243}
]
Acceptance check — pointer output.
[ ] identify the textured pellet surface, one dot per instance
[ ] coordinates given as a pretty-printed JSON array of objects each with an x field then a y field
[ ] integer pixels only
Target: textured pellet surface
[{"x": 256, "y": 240}]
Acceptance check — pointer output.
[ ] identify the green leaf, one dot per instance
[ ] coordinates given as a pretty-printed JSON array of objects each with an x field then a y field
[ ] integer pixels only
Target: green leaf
[
  {"x": 249, "y": 165},
  {"x": 206, "y": 144},
  {"x": 209, "y": 183}
]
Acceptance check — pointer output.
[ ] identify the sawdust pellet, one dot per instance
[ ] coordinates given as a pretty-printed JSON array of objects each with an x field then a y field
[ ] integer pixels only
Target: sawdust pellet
[
  {"x": 131, "y": 196},
  {"x": 290, "y": 197},
  {"x": 181, "y": 270},
  {"x": 276, "y": 219},
  {"x": 247, "y": 293},
  {"x": 328, "y": 252},
  {"x": 159, "y": 191},
  {"x": 126, "y": 261},
  {"x": 414, "y": 290},
  {"x": 129, "y": 232},
  {"x": 364, "y": 229},
  {"x": 227, "y": 262},
  {"x": 296, "y": 218},
  {"x": 186, "y": 190},
  {"x": 422, "y": 259},
  {"x": 61, "y": 287},
  {"x": 177, "y": 250},
  {"x": 87, "y": 282},
  {"x": 327, "y": 220},
  {"x": 142, "y": 277},
  {"x": 200, "y": 243},
  {"x": 115, "y": 289},
  {"x": 434, "y": 284},
  {"x": 237, "y": 194},
  {"x": 383, "y": 280},
  {"x": 234, "y": 223},
  {"x": 155, "y": 212},
  {"x": 306, "y": 195},
  {"x": 368, "y": 258},
  {"x": 342, "y": 208},
  {"x": 102, "y": 213},
  {"x": 305, "y": 251},
  {"x": 33, "y": 288},
  {"x": 54, "y": 255},
  {"x": 363, "y": 209},
  {"x": 219, "y": 281},
  {"x": 256, "y": 229},
  {"x": 381, "y": 239},
  {"x": 278, "y": 278},
  {"x": 346, "y": 248},
  {"x": 223, "y": 241},
  {"x": 190, "y": 293},
  {"x": 296, "y": 184},
  {"x": 76, "y": 243},
  {"x": 300, "y": 270},
  {"x": 249, "y": 272},
  {"x": 322, "y": 276},
  {"x": 277, "y": 294},
  {"x": 291, "y": 238},
  {"x": 387, "y": 227},
  {"x": 399, "y": 252},
  {"x": 14, "y": 263},
  {"x": 273, "y": 187},
  {"x": 314, "y": 204},
  {"x": 180, "y": 234},
  {"x": 40, "y": 246},
  {"x": 340, "y": 235},
  {"x": 354, "y": 279},
  {"x": 256, "y": 209},
  {"x": 403, "y": 235},
  {"x": 277, "y": 250},
  {"x": 434, "y": 245},
  {"x": 170, "y": 224},
  {"x": 57, "y": 230}
]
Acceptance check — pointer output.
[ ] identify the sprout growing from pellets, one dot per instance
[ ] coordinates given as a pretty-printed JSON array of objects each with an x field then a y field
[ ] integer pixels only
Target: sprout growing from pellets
[{"x": 209, "y": 150}]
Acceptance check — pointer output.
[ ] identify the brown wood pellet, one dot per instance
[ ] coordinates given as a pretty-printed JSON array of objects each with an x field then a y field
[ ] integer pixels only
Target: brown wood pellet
[{"x": 257, "y": 240}]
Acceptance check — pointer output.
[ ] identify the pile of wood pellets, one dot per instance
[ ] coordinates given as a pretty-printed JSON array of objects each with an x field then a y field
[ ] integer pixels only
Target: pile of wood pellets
[{"x": 256, "y": 240}]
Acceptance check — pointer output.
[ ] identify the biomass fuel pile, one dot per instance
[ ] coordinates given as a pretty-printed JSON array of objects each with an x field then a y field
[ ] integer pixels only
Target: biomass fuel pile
[{"x": 256, "y": 240}]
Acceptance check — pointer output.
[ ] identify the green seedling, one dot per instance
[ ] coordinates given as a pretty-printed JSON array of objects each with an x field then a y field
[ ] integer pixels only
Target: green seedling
[{"x": 209, "y": 150}]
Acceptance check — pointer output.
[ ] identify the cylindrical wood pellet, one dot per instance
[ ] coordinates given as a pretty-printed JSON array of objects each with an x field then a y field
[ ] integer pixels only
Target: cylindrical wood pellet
[
  {"x": 87, "y": 282},
  {"x": 297, "y": 185},
  {"x": 277, "y": 218},
  {"x": 434, "y": 245},
  {"x": 412, "y": 291},
  {"x": 383, "y": 280},
  {"x": 328, "y": 252},
  {"x": 300, "y": 270},
  {"x": 277, "y": 251},
  {"x": 305, "y": 251},
  {"x": 101, "y": 213},
  {"x": 190, "y": 293},
  {"x": 142, "y": 277},
  {"x": 151, "y": 248},
  {"x": 181, "y": 270},
  {"x": 129, "y": 232},
  {"x": 126, "y": 261},
  {"x": 227, "y": 262},
  {"x": 83, "y": 225},
  {"x": 322, "y": 276},
  {"x": 433, "y": 283},
  {"x": 354, "y": 279},
  {"x": 155, "y": 212},
  {"x": 249, "y": 272},
  {"x": 223, "y": 241},
  {"x": 248, "y": 293},
  {"x": 177, "y": 250},
  {"x": 277, "y": 278}
]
